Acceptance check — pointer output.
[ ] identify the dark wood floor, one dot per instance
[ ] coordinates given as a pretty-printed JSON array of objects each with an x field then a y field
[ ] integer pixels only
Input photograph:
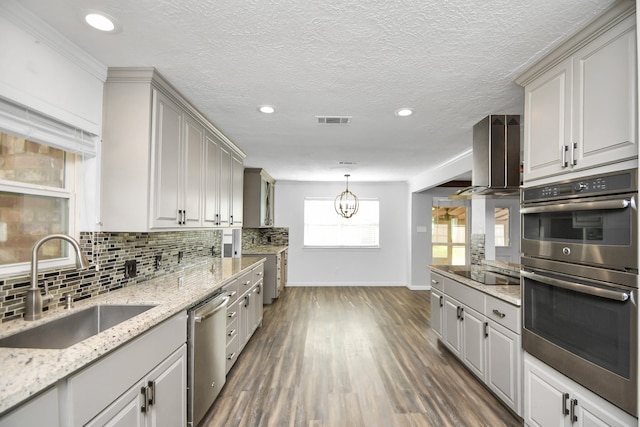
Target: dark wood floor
[{"x": 352, "y": 356}]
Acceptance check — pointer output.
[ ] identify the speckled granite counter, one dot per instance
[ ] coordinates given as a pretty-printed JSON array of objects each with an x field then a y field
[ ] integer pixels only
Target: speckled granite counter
[
  {"x": 509, "y": 293},
  {"x": 264, "y": 250},
  {"x": 26, "y": 372}
]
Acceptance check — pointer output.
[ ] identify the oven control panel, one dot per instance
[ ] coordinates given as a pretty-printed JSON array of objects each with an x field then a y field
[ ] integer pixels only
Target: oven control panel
[{"x": 618, "y": 182}]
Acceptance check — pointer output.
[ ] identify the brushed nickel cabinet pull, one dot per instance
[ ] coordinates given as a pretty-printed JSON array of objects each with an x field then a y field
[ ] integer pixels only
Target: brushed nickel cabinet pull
[{"x": 499, "y": 313}]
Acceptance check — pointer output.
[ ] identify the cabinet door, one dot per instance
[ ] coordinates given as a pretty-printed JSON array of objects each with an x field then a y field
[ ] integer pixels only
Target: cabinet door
[
  {"x": 437, "y": 312},
  {"x": 503, "y": 365},
  {"x": 258, "y": 305},
  {"x": 237, "y": 185},
  {"x": 193, "y": 172},
  {"x": 605, "y": 114},
  {"x": 592, "y": 411},
  {"x": 473, "y": 341},
  {"x": 547, "y": 127},
  {"x": 224, "y": 204},
  {"x": 545, "y": 403},
  {"x": 124, "y": 412},
  {"x": 166, "y": 145},
  {"x": 41, "y": 410},
  {"x": 169, "y": 380},
  {"x": 452, "y": 330},
  {"x": 244, "y": 320},
  {"x": 211, "y": 178}
]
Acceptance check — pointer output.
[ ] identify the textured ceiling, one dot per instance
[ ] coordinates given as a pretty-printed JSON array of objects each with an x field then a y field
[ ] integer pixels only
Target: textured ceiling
[{"x": 453, "y": 62}]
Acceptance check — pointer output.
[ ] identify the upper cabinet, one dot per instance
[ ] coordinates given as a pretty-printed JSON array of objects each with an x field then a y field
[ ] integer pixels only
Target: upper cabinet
[
  {"x": 259, "y": 194},
  {"x": 164, "y": 166},
  {"x": 581, "y": 100}
]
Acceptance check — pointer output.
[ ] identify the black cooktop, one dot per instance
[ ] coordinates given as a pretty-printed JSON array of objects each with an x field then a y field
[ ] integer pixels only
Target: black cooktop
[{"x": 487, "y": 277}]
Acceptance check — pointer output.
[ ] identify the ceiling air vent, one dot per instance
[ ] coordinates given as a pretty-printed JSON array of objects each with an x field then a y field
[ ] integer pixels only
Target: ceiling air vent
[{"x": 333, "y": 120}]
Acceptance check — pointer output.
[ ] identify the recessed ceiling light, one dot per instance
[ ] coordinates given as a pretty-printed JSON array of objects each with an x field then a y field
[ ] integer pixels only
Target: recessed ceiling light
[
  {"x": 404, "y": 112},
  {"x": 100, "y": 21},
  {"x": 267, "y": 109}
]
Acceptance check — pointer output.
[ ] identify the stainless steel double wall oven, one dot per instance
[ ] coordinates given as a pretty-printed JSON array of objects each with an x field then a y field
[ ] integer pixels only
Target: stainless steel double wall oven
[{"x": 580, "y": 281}]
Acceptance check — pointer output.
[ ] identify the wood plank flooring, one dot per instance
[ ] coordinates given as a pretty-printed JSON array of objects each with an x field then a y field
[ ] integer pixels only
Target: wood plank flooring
[{"x": 352, "y": 356}]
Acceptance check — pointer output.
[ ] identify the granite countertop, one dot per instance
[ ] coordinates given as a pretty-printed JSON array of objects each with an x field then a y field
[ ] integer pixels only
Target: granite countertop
[
  {"x": 264, "y": 249},
  {"x": 507, "y": 293},
  {"x": 26, "y": 372}
]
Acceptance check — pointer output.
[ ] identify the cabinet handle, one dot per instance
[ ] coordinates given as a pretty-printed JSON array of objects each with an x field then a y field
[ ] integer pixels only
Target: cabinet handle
[
  {"x": 565, "y": 148},
  {"x": 232, "y": 314},
  {"x": 151, "y": 387},
  {"x": 231, "y": 356},
  {"x": 573, "y": 416},
  {"x": 574, "y": 147},
  {"x": 441, "y": 301},
  {"x": 259, "y": 289},
  {"x": 179, "y": 216},
  {"x": 499, "y": 313},
  {"x": 259, "y": 273},
  {"x": 434, "y": 282},
  {"x": 486, "y": 329},
  {"x": 565, "y": 410},
  {"x": 217, "y": 221},
  {"x": 461, "y": 314},
  {"x": 246, "y": 301},
  {"x": 144, "y": 408},
  {"x": 231, "y": 220},
  {"x": 231, "y": 332},
  {"x": 248, "y": 282},
  {"x": 232, "y": 294},
  {"x": 458, "y": 312}
]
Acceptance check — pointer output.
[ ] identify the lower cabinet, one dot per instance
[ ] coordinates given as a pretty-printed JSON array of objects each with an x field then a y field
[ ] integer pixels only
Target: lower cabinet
[
  {"x": 41, "y": 410},
  {"x": 551, "y": 399},
  {"x": 156, "y": 400},
  {"x": 483, "y": 332}
]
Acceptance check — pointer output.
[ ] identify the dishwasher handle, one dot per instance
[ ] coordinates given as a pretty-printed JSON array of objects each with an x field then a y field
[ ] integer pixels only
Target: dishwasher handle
[{"x": 201, "y": 316}]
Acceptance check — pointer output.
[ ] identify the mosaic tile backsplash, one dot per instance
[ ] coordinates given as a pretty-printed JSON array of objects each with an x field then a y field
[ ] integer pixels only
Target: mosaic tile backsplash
[
  {"x": 477, "y": 249},
  {"x": 277, "y": 236},
  {"x": 107, "y": 253}
]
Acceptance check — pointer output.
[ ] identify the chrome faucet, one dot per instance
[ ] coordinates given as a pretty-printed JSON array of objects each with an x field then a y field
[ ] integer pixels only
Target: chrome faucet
[{"x": 34, "y": 299}]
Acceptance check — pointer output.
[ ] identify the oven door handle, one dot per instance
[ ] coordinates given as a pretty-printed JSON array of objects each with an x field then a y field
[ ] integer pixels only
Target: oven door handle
[
  {"x": 579, "y": 206},
  {"x": 585, "y": 289}
]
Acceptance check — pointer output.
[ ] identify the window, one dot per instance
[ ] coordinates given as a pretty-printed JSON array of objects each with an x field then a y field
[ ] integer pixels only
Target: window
[
  {"x": 35, "y": 199},
  {"x": 323, "y": 227},
  {"x": 448, "y": 233},
  {"x": 502, "y": 226}
]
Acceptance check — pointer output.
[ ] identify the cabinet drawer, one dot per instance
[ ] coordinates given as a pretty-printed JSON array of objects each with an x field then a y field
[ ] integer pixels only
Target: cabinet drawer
[
  {"x": 232, "y": 329},
  {"x": 233, "y": 290},
  {"x": 437, "y": 281},
  {"x": 465, "y": 294},
  {"x": 258, "y": 273},
  {"x": 232, "y": 312},
  {"x": 244, "y": 282},
  {"x": 503, "y": 313},
  {"x": 232, "y": 352}
]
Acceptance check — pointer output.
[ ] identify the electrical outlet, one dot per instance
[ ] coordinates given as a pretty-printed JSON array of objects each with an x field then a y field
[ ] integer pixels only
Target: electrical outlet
[
  {"x": 130, "y": 269},
  {"x": 180, "y": 282},
  {"x": 158, "y": 261},
  {"x": 180, "y": 256}
]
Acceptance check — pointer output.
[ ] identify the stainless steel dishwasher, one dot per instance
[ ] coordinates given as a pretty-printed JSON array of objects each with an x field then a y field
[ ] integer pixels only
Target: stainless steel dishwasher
[{"x": 206, "y": 355}]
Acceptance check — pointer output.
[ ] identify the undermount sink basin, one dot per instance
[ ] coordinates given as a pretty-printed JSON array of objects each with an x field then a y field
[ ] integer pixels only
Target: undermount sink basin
[{"x": 69, "y": 330}]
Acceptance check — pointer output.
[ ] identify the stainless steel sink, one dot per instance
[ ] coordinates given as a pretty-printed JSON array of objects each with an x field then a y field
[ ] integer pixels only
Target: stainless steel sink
[{"x": 69, "y": 330}]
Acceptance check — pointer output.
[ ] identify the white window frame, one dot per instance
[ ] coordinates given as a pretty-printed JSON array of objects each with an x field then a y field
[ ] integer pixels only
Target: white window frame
[
  {"x": 343, "y": 221},
  {"x": 67, "y": 192}
]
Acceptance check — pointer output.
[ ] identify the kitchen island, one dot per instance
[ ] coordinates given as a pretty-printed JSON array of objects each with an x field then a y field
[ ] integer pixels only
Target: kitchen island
[
  {"x": 27, "y": 371},
  {"x": 275, "y": 268},
  {"x": 480, "y": 324}
]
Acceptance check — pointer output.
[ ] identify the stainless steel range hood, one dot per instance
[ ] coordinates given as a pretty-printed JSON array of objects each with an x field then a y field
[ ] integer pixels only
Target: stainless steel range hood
[{"x": 496, "y": 158}]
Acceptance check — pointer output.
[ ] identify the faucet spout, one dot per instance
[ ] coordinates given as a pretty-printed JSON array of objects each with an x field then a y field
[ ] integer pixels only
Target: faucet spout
[{"x": 34, "y": 299}]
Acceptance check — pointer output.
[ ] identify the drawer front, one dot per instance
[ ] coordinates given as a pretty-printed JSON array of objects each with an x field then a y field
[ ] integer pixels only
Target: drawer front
[
  {"x": 437, "y": 281},
  {"x": 232, "y": 329},
  {"x": 232, "y": 312},
  {"x": 258, "y": 273},
  {"x": 233, "y": 290},
  {"x": 503, "y": 313},
  {"x": 244, "y": 282},
  {"x": 232, "y": 353},
  {"x": 465, "y": 294}
]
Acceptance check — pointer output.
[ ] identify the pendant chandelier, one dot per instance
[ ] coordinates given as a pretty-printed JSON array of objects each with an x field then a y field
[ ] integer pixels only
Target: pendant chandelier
[{"x": 346, "y": 203}]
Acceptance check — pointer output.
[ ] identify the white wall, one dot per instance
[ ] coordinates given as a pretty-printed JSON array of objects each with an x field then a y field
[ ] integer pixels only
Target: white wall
[{"x": 385, "y": 266}]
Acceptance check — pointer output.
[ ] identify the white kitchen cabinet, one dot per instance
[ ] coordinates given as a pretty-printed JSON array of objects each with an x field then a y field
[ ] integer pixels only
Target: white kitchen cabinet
[
  {"x": 504, "y": 364},
  {"x": 581, "y": 100},
  {"x": 164, "y": 165},
  {"x": 156, "y": 400},
  {"x": 551, "y": 399},
  {"x": 41, "y": 410},
  {"x": 259, "y": 193},
  {"x": 483, "y": 332},
  {"x": 110, "y": 387},
  {"x": 178, "y": 169},
  {"x": 437, "y": 312},
  {"x": 236, "y": 211}
]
